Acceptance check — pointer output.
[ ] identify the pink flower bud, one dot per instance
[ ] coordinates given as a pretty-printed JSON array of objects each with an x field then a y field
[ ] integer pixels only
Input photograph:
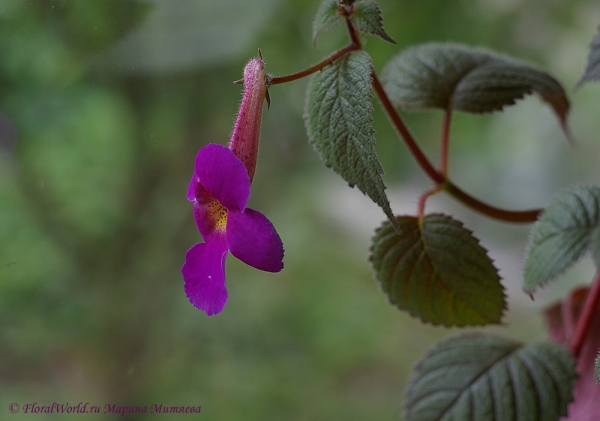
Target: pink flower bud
[{"x": 246, "y": 132}]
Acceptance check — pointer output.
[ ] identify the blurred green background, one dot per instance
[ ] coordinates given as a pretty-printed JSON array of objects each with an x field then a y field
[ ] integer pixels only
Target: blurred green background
[{"x": 103, "y": 106}]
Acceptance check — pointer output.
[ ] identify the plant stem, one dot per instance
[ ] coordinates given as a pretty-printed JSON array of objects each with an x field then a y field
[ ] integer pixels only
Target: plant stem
[
  {"x": 585, "y": 319},
  {"x": 353, "y": 46},
  {"x": 445, "y": 142},
  {"x": 315, "y": 68},
  {"x": 401, "y": 128},
  {"x": 521, "y": 217},
  {"x": 354, "y": 35},
  {"x": 423, "y": 199},
  {"x": 440, "y": 178}
]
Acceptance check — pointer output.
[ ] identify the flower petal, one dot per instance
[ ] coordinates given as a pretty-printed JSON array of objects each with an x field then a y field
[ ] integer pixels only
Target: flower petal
[
  {"x": 204, "y": 275},
  {"x": 192, "y": 187},
  {"x": 223, "y": 175},
  {"x": 253, "y": 239}
]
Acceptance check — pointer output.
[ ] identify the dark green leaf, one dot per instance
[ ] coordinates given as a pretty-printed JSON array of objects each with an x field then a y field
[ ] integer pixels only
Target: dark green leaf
[
  {"x": 340, "y": 126},
  {"x": 367, "y": 18},
  {"x": 592, "y": 69},
  {"x": 437, "y": 271},
  {"x": 562, "y": 234},
  {"x": 470, "y": 79},
  {"x": 477, "y": 377},
  {"x": 327, "y": 18}
]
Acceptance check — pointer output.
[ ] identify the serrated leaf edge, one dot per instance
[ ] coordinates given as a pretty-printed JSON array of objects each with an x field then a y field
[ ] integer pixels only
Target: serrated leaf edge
[
  {"x": 585, "y": 78},
  {"x": 590, "y": 247},
  {"x": 420, "y": 228},
  {"x": 492, "y": 56},
  {"x": 385, "y": 206},
  {"x": 329, "y": 24},
  {"x": 380, "y": 32},
  {"x": 518, "y": 347}
]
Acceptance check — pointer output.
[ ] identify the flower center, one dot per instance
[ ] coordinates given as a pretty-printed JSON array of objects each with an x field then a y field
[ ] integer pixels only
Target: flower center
[{"x": 217, "y": 214}]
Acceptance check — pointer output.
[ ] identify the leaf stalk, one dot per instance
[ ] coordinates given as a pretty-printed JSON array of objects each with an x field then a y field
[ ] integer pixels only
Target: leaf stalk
[
  {"x": 403, "y": 131},
  {"x": 519, "y": 217},
  {"x": 421, "y": 212},
  {"x": 440, "y": 178},
  {"x": 314, "y": 68},
  {"x": 585, "y": 319},
  {"x": 445, "y": 141}
]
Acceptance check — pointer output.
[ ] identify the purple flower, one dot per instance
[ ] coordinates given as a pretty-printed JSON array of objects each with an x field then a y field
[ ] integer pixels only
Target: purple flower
[{"x": 220, "y": 189}]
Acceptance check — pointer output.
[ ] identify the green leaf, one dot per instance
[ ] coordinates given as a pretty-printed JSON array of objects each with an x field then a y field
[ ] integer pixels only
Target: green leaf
[
  {"x": 327, "y": 18},
  {"x": 367, "y": 18},
  {"x": 478, "y": 377},
  {"x": 437, "y": 271},
  {"x": 562, "y": 234},
  {"x": 470, "y": 79},
  {"x": 592, "y": 69},
  {"x": 340, "y": 126}
]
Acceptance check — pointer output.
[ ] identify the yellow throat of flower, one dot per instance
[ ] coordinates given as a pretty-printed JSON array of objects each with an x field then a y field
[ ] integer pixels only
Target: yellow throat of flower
[{"x": 217, "y": 214}]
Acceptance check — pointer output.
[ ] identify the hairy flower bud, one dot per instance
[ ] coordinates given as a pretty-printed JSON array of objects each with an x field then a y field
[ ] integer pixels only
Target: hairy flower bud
[{"x": 246, "y": 132}]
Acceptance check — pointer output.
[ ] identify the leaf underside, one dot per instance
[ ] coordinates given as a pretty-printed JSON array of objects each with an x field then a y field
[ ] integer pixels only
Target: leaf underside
[
  {"x": 437, "y": 272},
  {"x": 592, "y": 68},
  {"x": 470, "y": 79},
  {"x": 367, "y": 18},
  {"x": 326, "y": 19},
  {"x": 340, "y": 126},
  {"x": 565, "y": 231},
  {"x": 479, "y": 376}
]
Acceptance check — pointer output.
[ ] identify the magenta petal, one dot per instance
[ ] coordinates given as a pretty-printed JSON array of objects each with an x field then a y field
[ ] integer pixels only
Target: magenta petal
[
  {"x": 253, "y": 239},
  {"x": 191, "y": 188},
  {"x": 223, "y": 175},
  {"x": 204, "y": 275}
]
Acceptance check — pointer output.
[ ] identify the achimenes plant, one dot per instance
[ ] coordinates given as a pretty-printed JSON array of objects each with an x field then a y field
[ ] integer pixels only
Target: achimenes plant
[{"x": 429, "y": 265}]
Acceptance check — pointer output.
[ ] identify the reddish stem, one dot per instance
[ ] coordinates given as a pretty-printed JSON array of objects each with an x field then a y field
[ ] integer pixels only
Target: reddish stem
[
  {"x": 401, "y": 128},
  {"x": 423, "y": 199},
  {"x": 315, "y": 68},
  {"x": 440, "y": 178},
  {"x": 520, "y": 217},
  {"x": 445, "y": 142},
  {"x": 354, "y": 34},
  {"x": 354, "y": 46},
  {"x": 585, "y": 319}
]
